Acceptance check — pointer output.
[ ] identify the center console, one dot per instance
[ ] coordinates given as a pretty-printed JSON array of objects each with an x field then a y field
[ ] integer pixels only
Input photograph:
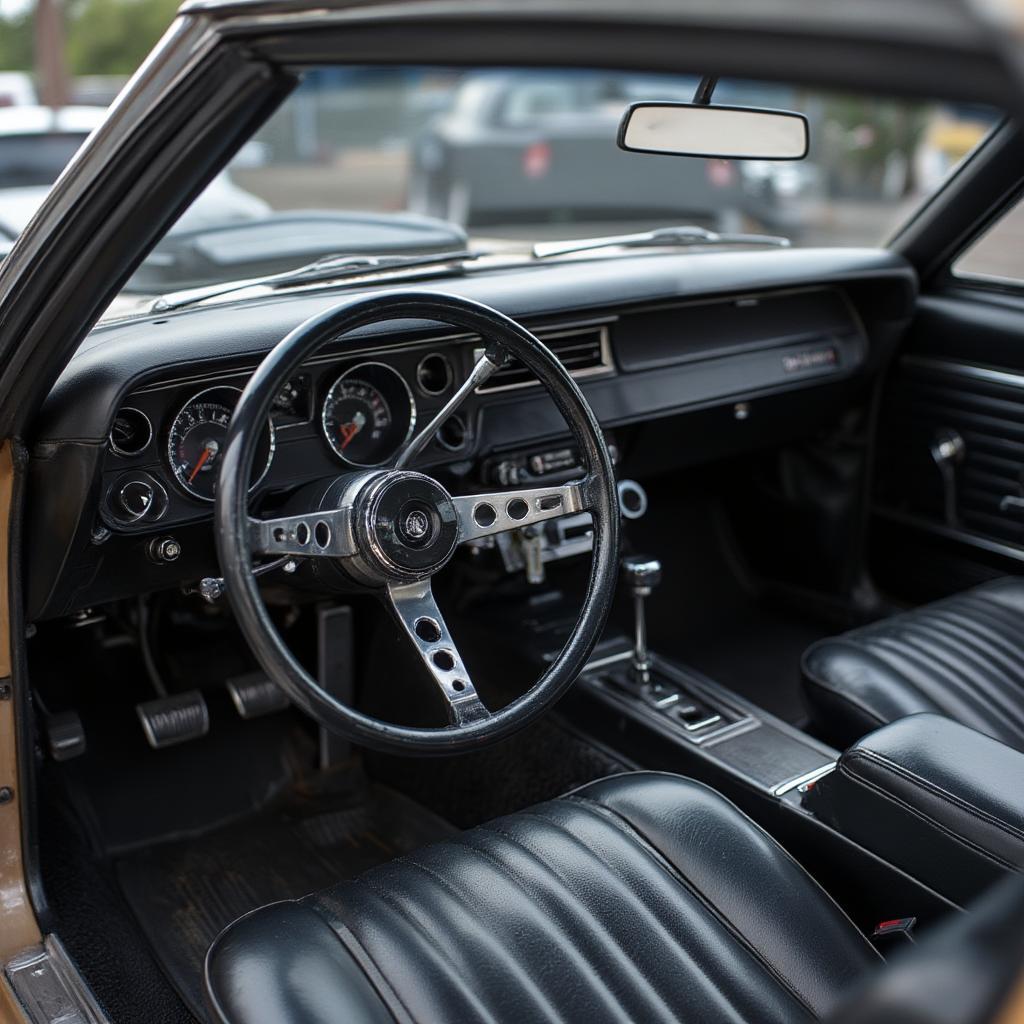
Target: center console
[
  {"x": 938, "y": 799},
  {"x": 693, "y": 713}
]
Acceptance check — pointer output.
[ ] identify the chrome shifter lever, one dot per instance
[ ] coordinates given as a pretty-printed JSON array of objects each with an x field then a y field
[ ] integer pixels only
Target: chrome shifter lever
[{"x": 641, "y": 574}]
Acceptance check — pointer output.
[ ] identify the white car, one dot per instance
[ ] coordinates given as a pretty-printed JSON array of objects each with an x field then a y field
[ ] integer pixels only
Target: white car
[
  {"x": 17, "y": 89},
  {"x": 37, "y": 142}
]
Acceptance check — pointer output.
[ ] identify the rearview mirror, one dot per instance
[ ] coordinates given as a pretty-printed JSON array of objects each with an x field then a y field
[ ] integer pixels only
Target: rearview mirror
[{"x": 727, "y": 133}]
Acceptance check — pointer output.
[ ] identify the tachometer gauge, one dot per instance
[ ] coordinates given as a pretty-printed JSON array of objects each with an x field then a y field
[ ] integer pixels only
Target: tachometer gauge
[
  {"x": 196, "y": 441},
  {"x": 368, "y": 414}
]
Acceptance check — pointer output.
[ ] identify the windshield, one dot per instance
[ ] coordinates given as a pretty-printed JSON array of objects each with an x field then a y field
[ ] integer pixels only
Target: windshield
[{"x": 419, "y": 160}]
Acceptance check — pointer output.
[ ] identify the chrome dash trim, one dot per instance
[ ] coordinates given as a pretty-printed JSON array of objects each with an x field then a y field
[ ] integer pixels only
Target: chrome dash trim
[
  {"x": 606, "y": 367},
  {"x": 955, "y": 368}
]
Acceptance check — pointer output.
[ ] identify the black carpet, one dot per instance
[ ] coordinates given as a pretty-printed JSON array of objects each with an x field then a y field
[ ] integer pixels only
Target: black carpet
[
  {"x": 183, "y": 893},
  {"x": 95, "y": 924},
  {"x": 538, "y": 763}
]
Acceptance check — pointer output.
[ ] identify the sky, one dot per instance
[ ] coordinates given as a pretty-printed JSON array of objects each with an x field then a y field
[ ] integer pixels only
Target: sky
[{"x": 8, "y": 8}]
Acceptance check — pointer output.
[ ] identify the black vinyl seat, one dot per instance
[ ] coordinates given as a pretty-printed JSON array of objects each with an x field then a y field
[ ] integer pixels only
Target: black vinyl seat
[
  {"x": 962, "y": 657},
  {"x": 644, "y": 897}
]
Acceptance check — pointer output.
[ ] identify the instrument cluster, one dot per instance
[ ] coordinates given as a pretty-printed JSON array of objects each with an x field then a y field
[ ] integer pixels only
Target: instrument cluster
[{"x": 166, "y": 442}]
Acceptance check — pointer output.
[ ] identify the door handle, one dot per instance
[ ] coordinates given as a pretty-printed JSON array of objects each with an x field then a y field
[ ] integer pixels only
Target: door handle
[{"x": 948, "y": 452}]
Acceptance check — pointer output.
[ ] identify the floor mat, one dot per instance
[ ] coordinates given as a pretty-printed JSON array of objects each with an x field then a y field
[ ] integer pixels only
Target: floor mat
[{"x": 185, "y": 892}]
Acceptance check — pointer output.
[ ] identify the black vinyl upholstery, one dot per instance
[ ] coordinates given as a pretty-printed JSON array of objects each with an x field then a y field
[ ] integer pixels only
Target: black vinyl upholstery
[
  {"x": 644, "y": 897},
  {"x": 934, "y": 797},
  {"x": 962, "y": 657}
]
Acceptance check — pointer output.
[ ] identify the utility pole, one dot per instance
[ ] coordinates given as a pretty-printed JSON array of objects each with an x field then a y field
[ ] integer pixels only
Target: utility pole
[{"x": 51, "y": 69}]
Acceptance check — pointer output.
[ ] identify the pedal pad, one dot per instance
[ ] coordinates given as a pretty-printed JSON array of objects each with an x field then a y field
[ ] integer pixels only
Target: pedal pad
[
  {"x": 255, "y": 695},
  {"x": 176, "y": 719},
  {"x": 64, "y": 735}
]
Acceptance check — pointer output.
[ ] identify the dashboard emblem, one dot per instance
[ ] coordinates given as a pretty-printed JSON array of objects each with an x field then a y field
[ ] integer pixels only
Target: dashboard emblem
[{"x": 416, "y": 525}]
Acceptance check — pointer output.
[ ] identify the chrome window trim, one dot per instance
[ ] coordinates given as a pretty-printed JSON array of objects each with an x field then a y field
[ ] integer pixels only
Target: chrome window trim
[{"x": 955, "y": 368}]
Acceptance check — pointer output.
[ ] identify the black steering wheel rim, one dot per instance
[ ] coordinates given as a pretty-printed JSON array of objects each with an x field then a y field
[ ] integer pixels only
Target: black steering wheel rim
[{"x": 232, "y": 526}]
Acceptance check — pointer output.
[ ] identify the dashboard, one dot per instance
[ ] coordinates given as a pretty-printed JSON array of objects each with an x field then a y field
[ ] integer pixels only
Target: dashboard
[{"x": 725, "y": 351}]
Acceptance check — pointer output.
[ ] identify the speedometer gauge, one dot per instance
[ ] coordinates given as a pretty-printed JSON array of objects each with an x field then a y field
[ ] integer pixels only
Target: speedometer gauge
[
  {"x": 195, "y": 442},
  {"x": 368, "y": 414}
]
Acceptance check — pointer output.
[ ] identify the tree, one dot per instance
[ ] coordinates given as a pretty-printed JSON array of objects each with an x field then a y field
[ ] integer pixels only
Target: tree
[
  {"x": 16, "y": 46},
  {"x": 112, "y": 37}
]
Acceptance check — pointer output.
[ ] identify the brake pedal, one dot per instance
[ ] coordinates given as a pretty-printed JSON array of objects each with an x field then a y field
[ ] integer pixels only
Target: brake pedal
[
  {"x": 255, "y": 695},
  {"x": 176, "y": 719}
]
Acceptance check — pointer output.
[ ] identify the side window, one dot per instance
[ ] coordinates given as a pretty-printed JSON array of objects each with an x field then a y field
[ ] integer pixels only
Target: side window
[{"x": 999, "y": 254}]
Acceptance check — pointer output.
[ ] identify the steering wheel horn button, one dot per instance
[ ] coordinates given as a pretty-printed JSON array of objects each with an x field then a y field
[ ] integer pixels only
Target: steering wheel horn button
[{"x": 409, "y": 524}]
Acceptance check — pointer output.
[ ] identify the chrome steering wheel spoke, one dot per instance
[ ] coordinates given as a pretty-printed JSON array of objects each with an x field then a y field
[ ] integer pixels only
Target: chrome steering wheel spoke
[
  {"x": 310, "y": 535},
  {"x": 415, "y": 608},
  {"x": 481, "y": 515},
  {"x": 486, "y": 366}
]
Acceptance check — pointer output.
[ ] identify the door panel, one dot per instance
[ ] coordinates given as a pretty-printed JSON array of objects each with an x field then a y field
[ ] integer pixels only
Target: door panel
[{"x": 949, "y": 485}]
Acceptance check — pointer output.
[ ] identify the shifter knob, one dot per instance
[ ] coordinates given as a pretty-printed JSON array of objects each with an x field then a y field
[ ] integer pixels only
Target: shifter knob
[{"x": 641, "y": 574}]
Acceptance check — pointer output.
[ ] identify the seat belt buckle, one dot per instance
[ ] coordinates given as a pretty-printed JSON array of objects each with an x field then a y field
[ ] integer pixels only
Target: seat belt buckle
[{"x": 897, "y": 931}]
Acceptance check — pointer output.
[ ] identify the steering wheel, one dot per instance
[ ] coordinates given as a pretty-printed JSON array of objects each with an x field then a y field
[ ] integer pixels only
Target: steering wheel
[{"x": 391, "y": 530}]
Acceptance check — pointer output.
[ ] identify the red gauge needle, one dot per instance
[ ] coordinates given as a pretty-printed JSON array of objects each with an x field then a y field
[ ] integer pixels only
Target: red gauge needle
[
  {"x": 207, "y": 452},
  {"x": 348, "y": 431}
]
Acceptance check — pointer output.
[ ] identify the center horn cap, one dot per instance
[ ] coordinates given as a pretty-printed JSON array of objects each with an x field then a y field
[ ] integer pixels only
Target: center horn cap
[{"x": 409, "y": 524}]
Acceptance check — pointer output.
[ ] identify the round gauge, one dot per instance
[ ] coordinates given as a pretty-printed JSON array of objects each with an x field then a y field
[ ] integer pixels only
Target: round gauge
[
  {"x": 131, "y": 432},
  {"x": 196, "y": 441},
  {"x": 368, "y": 414}
]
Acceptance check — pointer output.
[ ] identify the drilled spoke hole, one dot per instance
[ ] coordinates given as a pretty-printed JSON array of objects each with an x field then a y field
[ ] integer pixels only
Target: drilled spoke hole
[
  {"x": 428, "y": 630},
  {"x": 550, "y": 502},
  {"x": 444, "y": 660},
  {"x": 302, "y": 534},
  {"x": 280, "y": 534},
  {"x": 517, "y": 509},
  {"x": 458, "y": 685},
  {"x": 484, "y": 515},
  {"x": 322, "y": 533}
]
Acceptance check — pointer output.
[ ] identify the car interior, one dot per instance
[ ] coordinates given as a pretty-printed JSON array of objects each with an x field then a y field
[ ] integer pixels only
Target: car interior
[{"x": 624, "y": 627}]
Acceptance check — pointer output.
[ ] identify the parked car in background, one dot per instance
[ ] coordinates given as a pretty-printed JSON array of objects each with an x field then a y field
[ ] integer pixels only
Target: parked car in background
[
  {"x": 512, "y": 144},
  {"x": 36, "y": 144},
  {"x": 17, "y": 89}
]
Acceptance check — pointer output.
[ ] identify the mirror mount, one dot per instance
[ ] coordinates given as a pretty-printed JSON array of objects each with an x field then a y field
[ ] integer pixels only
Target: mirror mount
[{"x": 702, "y": 97}]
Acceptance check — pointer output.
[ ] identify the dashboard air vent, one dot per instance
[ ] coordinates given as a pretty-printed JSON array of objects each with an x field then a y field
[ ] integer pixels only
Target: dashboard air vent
[{"x": 583, "y": 351}]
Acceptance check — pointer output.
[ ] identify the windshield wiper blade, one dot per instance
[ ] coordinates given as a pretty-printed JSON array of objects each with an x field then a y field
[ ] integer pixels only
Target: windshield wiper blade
[
  {"x": 336, "y": 267},
  {"x": 683, "y": 235}
]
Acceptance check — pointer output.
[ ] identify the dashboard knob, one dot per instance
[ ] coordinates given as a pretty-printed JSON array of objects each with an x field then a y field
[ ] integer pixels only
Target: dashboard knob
[{"x": 164, "y": 549}]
